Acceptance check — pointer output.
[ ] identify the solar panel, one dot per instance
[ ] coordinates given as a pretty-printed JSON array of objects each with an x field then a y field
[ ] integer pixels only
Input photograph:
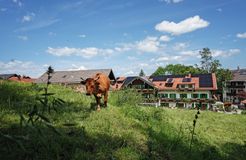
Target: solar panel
[
  {"x": 205, "y": 80},
  {"x": 186, "y": 80},
  {"x": 128, "y": 80},
  {"x": 165, "y": 77},
  {"x": 159, "y": 78}
]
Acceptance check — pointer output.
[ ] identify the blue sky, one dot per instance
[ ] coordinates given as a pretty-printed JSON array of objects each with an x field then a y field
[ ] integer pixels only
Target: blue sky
[{"x": 125, "y": 35}]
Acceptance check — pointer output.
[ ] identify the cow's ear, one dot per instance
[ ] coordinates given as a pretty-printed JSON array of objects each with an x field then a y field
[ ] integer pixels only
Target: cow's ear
[
  {"x": 97, "y": 78},
  {"x": 83, "y": 81}
]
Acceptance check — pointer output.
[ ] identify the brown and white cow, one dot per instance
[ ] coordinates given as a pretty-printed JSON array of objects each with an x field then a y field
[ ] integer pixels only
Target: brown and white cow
[{"x": 98, "y": 86}]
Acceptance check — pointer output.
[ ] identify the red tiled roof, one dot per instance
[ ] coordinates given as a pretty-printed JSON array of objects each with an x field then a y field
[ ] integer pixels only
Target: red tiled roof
[
  {"x": 161, "y": 85},
  {"x": 21, "y": 79}
]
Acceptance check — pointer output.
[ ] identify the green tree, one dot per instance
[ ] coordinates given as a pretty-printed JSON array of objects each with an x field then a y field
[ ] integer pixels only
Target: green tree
[
  {"x": 206, "y": 59},
  {"x": 176, "y": 69},
  {"x": 159, "y": 71},
  {"x": 215, "y": 65},
  {"x": 222, "y": 76},
  {"x": 141, "y": 73},
  {"x": 211, "y": 65},
  {"x": 208, "y": 64}
]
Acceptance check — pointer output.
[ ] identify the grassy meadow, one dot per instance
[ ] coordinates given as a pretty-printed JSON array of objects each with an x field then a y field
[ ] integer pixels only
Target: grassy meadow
[{"x": 123, "y": 130}]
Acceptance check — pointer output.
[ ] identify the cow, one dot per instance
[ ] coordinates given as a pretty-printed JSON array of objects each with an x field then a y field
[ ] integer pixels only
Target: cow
[{"x": 98, "y": 85}]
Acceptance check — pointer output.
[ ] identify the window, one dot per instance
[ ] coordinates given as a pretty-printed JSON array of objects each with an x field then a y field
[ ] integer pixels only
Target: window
[
  {"x": 195, "y": 95},
  {"x": 240, "y": 83},
  {"x": 168, "y": 85},
  {"x": 172, "y": 95},
  {"x": 203, "y": 96},
  {"x": 183, "y": 95},
  {"x": 190, "y": 86},
  {"x": 162, "y": 95}
]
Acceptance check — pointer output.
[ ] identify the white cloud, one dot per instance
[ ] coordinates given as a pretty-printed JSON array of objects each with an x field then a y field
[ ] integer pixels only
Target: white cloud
[
  {"x": 185, "y": 26},
  {"x": 169, "y": 58},
  {"x": 3, "y": 9},
  {"x": 165, "y": 38},
  {"x": 24, "y": 38},
  {"x": 219, "y": 9},
  {"x": 143, "y": 64},
  {"x": 76, "y": 67},
  {"x": 241, "y": 35},
  {"x": 171, "y": 1},
  {"x": 129, "y": 73},
  {"x": 224, "y": 53},
  {"x": 20, "y": 67},
  {"x": 38, "y": 25},
  {"x": 52, "y": 34},
  {"x": 29, "y": 17},
  {"x": 82, "y": 35},
  {"x": 149, "y": 44},
  {"x": 190, "y": 53},
  {"x": 83, "y": 52},
  {"x": 125, "y": 34},
  {"x": 124, "y": 47},
  {"x": 18, "y": 2},
  {"x": 180, "y": 46},
  {"x": 46, "y": 65}
]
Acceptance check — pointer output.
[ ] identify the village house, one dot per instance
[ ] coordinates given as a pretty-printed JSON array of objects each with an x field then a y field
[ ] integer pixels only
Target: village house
[
  {"x": 17, "y": 78},
  {"x": 186, "y": 91},
  {"x": 141, "y": 84},
  {"x": 176, "y": 90},
  {"x": 235, "y": 87},
  {"x": 73, "y": 78}
]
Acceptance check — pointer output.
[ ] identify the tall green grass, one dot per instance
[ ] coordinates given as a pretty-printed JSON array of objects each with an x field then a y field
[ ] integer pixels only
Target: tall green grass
[{"x": 123, "y": 130}]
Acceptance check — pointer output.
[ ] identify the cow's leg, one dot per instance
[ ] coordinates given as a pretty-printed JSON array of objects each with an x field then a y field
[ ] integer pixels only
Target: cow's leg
[
  {"x": 105, "y": 99},
  {"x": 98, "y": 103}
]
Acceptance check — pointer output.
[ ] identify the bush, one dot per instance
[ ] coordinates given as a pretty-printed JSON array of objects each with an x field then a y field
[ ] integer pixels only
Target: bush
[
  {"x": 243, "y": 112},
  {"x": 125, "y": 97}
]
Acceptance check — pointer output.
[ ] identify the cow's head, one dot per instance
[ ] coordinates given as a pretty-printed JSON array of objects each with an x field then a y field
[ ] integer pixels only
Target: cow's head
[{"x": 89, "y": 84}]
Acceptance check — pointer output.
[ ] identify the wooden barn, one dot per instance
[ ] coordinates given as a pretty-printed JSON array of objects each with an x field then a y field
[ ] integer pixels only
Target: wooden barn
[{"x": 73, "y": 78}]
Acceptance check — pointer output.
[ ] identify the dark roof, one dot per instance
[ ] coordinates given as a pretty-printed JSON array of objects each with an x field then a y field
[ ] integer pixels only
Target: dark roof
[
  {"x": 128, "y": 80},
  {"x": 165, "y": 77},
  {"x": 205, "y": 80},
  {"x": 7, "y": 76},
  {"x": 74, "y": 76},
  {"x": 239, "y": 75}
]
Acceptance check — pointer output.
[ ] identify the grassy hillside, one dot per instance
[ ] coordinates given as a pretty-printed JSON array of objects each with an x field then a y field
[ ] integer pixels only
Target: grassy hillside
[{"x": 121, "y": 131}]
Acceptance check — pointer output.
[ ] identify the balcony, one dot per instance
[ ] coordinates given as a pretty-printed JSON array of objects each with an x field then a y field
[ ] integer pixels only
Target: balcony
[
  {"x": 235, "y": 86},
  {"x": 187, "y": 100}
]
